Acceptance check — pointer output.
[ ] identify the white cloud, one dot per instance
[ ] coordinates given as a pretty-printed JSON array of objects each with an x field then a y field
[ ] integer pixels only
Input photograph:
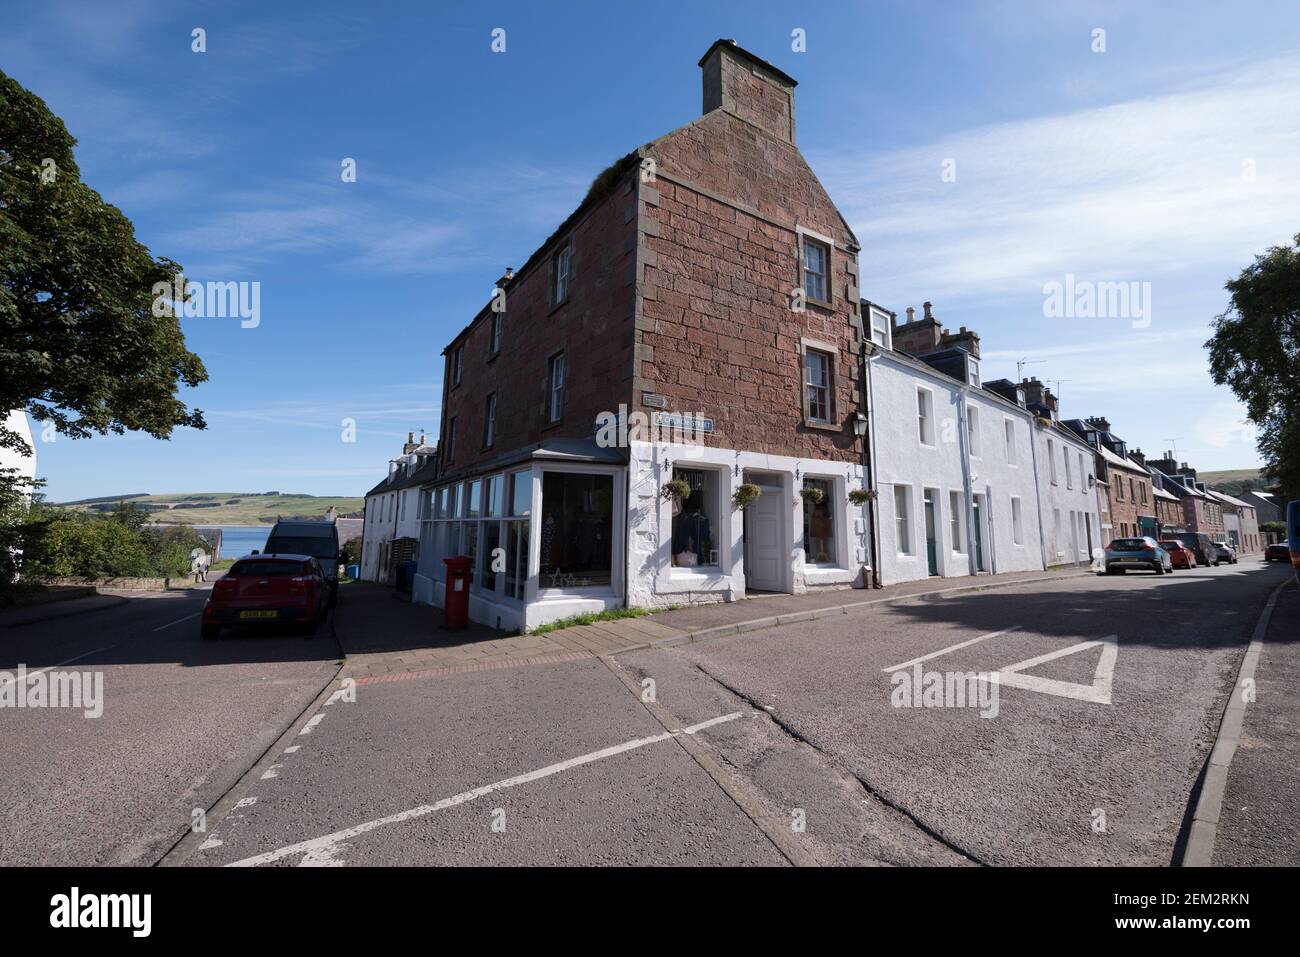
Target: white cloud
[{"x": 1143, "y": 190}]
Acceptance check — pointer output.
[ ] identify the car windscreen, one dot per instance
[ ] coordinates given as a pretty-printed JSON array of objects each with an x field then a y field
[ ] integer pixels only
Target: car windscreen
[
  {"x": 266, "y": 569},
  {"x": 1171, "y": 544},
  {"x": 315, "y": 546},
  {"x": 1128, "y": 544}
]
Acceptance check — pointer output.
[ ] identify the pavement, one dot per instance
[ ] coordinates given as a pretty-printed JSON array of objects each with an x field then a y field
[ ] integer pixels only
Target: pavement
[
  {"x": 384, "y": 635},
  {"x": 1259, "y": 822},
  {"x": 784, "y": 745}
]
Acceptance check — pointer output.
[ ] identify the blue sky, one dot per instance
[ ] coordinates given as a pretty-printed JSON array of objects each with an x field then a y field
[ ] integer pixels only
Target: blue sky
[{"x": 1128, "y": 165}]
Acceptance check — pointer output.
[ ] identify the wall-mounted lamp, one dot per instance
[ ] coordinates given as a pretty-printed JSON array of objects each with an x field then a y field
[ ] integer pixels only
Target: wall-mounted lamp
[{"x": 859, "y": 424}]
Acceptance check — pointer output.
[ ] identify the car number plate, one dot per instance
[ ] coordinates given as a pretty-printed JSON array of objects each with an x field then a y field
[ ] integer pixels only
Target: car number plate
[{"x": 258, "y": 614}]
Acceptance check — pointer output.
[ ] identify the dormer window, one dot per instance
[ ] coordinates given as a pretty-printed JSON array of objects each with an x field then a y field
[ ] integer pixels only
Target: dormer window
[
  {"x": 881, "y": 327},
  {"x": 972, "y": 371}
]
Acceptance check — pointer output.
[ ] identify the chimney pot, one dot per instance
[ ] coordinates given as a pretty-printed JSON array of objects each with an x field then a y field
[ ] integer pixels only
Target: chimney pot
[
  {"x": 911, "y": 313},
  {"x": 927, "y": 307}
]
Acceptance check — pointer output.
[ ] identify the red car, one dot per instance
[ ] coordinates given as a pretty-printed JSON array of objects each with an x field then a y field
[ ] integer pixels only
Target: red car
[
  {"x": 268, "y": 589},
  {"x": 1180, "y": 556}
]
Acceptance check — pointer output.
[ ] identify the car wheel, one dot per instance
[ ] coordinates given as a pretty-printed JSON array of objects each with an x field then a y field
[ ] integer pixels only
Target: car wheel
[
  {"x": 1160, "y": 569},
  {"x": 211, "y": 632}
]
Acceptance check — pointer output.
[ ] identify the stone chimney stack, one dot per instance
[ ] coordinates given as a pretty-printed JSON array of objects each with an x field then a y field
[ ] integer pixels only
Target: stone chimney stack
[
  {"x": 1036, "y": 393},
  {"x": 918, "y": 337},
  {"x": 748, "y": 87},
  {"x": 963, "y": 338},
  {"x": 1099, "y": 422},
  {"x": 410, "y": 445}
]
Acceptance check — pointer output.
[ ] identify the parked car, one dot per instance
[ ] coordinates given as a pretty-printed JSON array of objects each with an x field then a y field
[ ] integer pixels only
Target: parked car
[
  {"x": 320, "y": 540},
  {"x": 1180, "y": 556},
  {"x": 1277, "y": 552},
  {"x": 1223, "y": 552},
  {"x": 1125, "y": 553},
  {"x": 1200, "y": 545},
  {"x": 268, "y": 589}
]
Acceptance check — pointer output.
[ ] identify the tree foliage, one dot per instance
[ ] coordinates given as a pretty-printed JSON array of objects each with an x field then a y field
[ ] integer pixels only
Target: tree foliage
[
  {"x": 79, "y": 344},
  {"x": 1255, "y": 351},
  {"x": 59, "y": 543}
]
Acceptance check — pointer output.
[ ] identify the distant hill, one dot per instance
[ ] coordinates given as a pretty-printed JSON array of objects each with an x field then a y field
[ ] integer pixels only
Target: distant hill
[
  {"x": 1235, "y": 481},
  {"x": 224, "y": 508}
]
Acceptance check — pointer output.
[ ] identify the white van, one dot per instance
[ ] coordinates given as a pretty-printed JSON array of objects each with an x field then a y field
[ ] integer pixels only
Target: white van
[{"x": 320, "y": 540}]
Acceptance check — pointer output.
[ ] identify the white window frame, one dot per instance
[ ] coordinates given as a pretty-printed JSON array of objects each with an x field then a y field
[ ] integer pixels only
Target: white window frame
[
  {"x": 805, "y": 236},
  {"x": 903, "y": 521},
  {"x": 882, "y": 327},
  {"x": 555, "y": 387},
  {"x": 1051, "y": 460},
  {"x": 1017, "y": 521},
  {"x": 925, "y": 416},
  {"x": 1009, "y": 439},
  {"x": 973, "y": 430},
  {"x": 563, "y": 273},
  {"x": 956, "y": 520},
  {"x": 828, "y": 358}
]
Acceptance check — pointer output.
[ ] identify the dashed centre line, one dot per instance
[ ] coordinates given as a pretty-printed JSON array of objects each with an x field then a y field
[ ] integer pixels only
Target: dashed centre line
[{"x": 323, "y": 849}]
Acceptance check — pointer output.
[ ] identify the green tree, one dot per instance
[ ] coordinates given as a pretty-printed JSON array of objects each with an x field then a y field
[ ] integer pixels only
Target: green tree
[
  {"x": 79, "y": 344},
  {"x": 1255, "y": 351}
]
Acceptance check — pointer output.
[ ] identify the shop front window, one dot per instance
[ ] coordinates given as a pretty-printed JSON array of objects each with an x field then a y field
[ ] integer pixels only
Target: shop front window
[
  {"x": 695, "y": 520},
  {"x": 819, "y": 523},
  {"x": 491, "y": 541},
  {"x": 576, "y": 530}
]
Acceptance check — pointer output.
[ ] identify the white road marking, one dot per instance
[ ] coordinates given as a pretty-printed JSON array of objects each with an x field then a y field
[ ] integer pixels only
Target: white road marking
[
  {"x": 323, "y": 850},
  {"x": 1098, "y": 692},
  {"x": 11, "y": 679},
  {"x": 210, "y": 843},
  {"x": 178, "y": 621},
  {"x": 306, "y": 728},
  {"x": 270, "y": 772},
  {"x": 246, "y": 802},
  {"x": 291, "y": 749},
  {"x": 944, "y": 651}
]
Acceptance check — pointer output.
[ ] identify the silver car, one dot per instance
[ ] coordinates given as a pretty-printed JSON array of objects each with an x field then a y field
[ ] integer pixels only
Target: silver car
[{"x": 1223, "y": 552}]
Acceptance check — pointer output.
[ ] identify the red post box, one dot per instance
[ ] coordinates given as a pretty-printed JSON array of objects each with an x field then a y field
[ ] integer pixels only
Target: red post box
[{"x": 455, "y": 604}]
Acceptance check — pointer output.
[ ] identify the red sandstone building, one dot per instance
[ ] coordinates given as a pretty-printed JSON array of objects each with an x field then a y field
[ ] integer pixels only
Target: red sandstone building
[{"x": 701, "y": 304}]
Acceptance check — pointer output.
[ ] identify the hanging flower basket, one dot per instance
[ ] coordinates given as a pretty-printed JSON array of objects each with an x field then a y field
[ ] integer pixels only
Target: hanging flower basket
[
  {"x": 677, "y": 490},
  {"x": 745, "y": 495},
  {"x": 813, "y": 495},
  {"x": 861, "y": 496}
]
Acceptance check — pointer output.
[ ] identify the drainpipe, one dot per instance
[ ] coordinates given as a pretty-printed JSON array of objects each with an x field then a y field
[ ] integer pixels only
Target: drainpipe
[
  {"x": 1038, "y": 489},
  {"x": 963, "y": 448},
  {"x": 868, "y": 459}
]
